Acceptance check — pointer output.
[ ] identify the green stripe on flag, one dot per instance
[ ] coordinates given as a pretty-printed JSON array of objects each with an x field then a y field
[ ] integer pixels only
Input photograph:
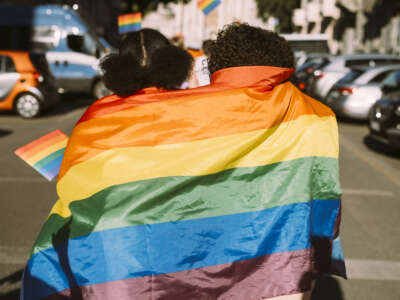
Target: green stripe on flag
[
  {"x": 179, "y": 198},
  {"x": 49, "y": 158}
]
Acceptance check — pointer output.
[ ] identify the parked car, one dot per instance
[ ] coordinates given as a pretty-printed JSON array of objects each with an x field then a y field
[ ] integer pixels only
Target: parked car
[
  {"x": 301, "y": 78},
  {"x": 384, "y": 121},
  {"x": 303, "y": 44},
  {"x": 384, "y": 116},
  {"x": 325, "y": 77},
  {"x": 354, "y": 94},
  {"x": 25, "y": 84},
  {"x": 72, "y": 48}
]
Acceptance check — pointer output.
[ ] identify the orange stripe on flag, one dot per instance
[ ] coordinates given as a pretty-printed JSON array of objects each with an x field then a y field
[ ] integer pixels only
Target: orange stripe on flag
[
  {"x": 38, "y": 145},
  {"x": 41, "y": 140},
  {"x": 210, "y": 116}
]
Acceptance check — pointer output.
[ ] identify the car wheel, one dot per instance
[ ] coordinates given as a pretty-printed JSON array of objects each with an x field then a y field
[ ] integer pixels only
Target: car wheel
[
  {"x": 100, "y": 90},
  {"x": 28, "y": 105}
]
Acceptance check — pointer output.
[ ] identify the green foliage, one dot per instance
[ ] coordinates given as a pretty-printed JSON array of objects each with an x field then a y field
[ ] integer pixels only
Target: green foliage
[
  {"x": 146, "y": 6},
  {"x": 280, "y": 9}
]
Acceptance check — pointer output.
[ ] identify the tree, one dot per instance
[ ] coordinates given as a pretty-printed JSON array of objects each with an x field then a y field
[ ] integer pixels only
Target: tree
[
  {"x": 146, "y": 6},
  {"x": 280, "y": 9}
]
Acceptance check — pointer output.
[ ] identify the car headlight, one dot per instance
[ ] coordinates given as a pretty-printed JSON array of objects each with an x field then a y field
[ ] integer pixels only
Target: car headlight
[{"x": 397, "y": 110}]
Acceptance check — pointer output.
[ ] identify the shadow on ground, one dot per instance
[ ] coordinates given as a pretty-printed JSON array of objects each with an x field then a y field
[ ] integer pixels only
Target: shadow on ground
[
  {"x": 351, "y": 121},
  {"x": 4, "y": 132},
  {"x": 327, "y": 288},
  {"x": 9, "y": 280},
  {"x": 68, "y": 103},
  {"x": 381, "y": 147}
]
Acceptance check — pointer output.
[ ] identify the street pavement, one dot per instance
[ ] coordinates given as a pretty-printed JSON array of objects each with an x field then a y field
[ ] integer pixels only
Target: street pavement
[{"x": 370, "y": 231}]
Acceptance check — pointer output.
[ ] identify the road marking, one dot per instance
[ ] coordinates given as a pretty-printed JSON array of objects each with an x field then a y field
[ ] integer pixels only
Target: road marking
[
  {"x": 373, "y": 269},
  {"x": 374, "y": 163},
  {"x": 23, "y": 179},
  {"x": 365, "y": 192}
]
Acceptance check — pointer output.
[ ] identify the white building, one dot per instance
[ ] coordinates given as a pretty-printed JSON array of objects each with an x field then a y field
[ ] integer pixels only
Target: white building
[
  {"x": 322, "y": 16},
  {"x": 189, "y": 21}
]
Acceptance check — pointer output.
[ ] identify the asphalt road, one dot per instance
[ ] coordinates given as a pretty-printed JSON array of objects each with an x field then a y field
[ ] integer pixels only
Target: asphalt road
[{"x": 370, "y": 232}]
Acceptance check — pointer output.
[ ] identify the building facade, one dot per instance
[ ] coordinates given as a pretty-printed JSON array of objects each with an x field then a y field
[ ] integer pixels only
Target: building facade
[
  {"x": 354, "y": 26},
  {"x": 190, "y": 22}
]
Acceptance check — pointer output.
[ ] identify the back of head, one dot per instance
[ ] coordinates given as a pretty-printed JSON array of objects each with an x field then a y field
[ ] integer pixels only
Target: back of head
[
  {"x": 240, "y": 44},
  {"x": 206, "y": 45},
  {"x": 146, "y": 58}
]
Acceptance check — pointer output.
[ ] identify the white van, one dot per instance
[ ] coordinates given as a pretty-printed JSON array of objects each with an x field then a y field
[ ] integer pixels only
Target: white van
[{"x": 72, "y": 49}]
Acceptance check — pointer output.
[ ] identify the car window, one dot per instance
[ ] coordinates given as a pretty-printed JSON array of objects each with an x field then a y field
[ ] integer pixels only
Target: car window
[
  {"x": 7, "y": 64},
  {"x": 386, "y": 61},
  {"x": 350, "y": 77},
  {"x": 353, "y": 63},
  {"x": 305, "y": 66},
  {"x": 392, "y": 80},
  {"x": 89, "y": 45},
  {"x": 45, "y": 38},
  {"x": 378, "y": 78}
]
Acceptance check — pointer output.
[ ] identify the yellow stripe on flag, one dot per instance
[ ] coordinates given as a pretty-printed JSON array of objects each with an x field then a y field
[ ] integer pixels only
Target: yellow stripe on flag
[
  {"x": 307, "y": 136},
  {"x": 45, "y": 152},
  {"x": 204, "y": 3},
  {"x": 129, "y": 19}
]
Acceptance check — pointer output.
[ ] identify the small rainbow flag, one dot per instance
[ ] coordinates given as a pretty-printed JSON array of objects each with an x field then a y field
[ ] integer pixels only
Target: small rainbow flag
[
  {"x": 129, "y": 22},
  {"x": 45, "y": 154},
  {"x": 208, "y": 6}
]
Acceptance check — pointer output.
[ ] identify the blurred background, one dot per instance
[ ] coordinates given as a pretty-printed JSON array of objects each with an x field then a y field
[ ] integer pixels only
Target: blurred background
[{"x": 347, "y": 56}]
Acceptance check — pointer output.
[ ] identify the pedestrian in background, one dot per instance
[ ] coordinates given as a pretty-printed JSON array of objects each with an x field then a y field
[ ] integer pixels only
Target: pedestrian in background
[
  {"x": 226, "y": 191},
  {"x": 201, "y": 75}
]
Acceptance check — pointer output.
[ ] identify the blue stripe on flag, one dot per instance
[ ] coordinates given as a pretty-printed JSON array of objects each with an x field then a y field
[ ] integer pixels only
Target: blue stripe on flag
[
  {"x": 211, "y": 7},
  {"x": 129, "y": 252},
  {"x": 51, "y": 169},
  {"x": 130, "y": 27}
]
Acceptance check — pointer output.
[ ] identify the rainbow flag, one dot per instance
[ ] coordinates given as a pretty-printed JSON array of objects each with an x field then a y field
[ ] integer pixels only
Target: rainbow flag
[
  {"x": 45, "y": 154},
  {"x": 129, "y": 22},
  {"x": 208, "y": 6},
  {"x": 228, "y": 191}
]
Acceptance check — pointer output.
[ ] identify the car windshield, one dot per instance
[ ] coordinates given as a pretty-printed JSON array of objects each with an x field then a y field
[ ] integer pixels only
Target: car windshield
[
  {"x": 392, "y": 80},
  {"x": 350, "y": 76},
  {"x": 305, "y": 66}
]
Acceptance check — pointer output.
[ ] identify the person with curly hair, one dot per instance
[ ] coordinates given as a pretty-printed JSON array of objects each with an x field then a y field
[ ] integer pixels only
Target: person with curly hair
[
  {"x": 145, "y": 59},
  {"x": 226, "y": 191},
  {"x": 243, "y": 45}
]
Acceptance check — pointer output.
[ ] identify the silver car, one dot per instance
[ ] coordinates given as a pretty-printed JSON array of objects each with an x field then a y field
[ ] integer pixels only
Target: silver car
[
  {"x": 324, "y": 78},
  {"x": 354, "y": 94}
]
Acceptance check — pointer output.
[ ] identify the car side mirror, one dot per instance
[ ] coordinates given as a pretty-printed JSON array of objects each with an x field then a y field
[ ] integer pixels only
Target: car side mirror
[{"x": 75, "y": 42}]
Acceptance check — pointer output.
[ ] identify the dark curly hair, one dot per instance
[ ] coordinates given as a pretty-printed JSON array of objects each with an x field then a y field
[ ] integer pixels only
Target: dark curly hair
[
  {"x": 239, "y": 44},
  {"x": 146, "y": 58}
]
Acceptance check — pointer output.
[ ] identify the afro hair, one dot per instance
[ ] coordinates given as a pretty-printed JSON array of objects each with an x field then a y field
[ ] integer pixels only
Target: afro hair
[{"x": 240, "y": 44}]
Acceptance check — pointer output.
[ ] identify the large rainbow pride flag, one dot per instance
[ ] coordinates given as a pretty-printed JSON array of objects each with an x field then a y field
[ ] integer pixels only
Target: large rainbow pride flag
[{"x": 228, "y": 191}]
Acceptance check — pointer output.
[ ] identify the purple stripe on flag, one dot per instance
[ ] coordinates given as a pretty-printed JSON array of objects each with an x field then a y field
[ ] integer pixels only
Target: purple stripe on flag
[{"x": 263, "y": 277}]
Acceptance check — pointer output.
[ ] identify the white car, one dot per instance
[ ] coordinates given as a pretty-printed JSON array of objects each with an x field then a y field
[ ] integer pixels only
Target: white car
[
  {"x": 326, "y": 77},
  {"x": 354, "y": 94}
]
